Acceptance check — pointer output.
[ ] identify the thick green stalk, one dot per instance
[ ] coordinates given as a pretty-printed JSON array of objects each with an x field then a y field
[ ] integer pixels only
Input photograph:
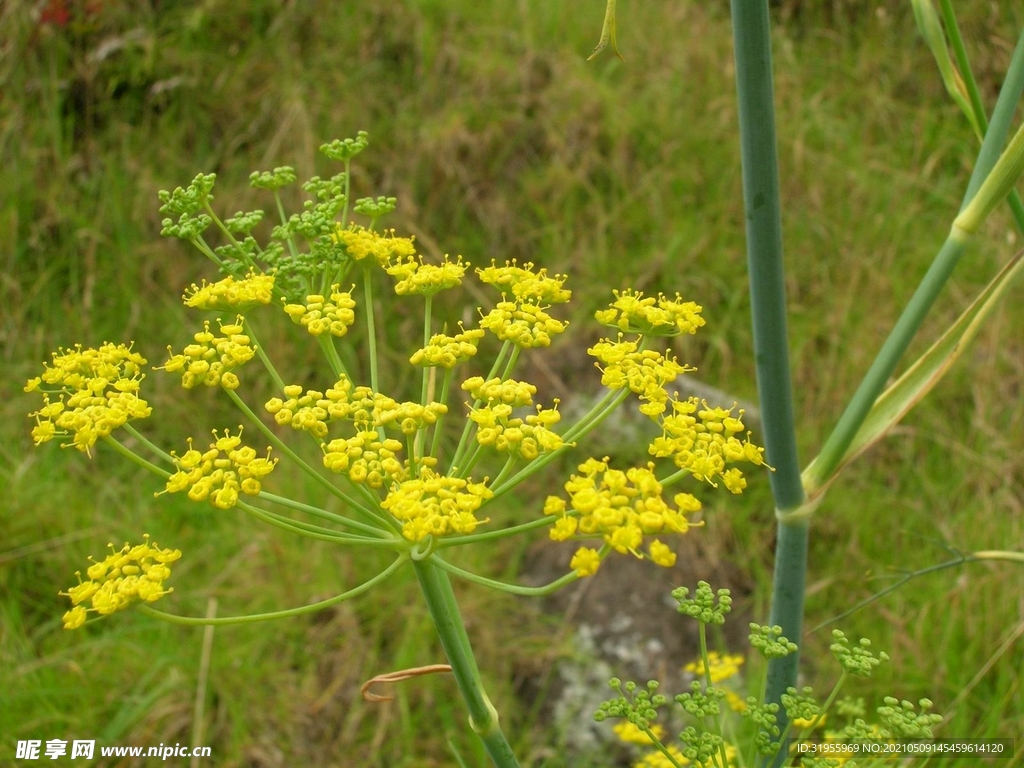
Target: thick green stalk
[
  {"x": 752, "y": 40},
  {"x": 444, "y": 610}
]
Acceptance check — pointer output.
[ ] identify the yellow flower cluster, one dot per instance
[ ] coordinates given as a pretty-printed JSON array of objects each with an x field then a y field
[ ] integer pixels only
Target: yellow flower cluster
[
  {"x": 233, "y": 294},
  {"x": 212, "y": 359},
  {"x": 407, "y": 416},
  {"x": 415, "y": 277},
  {"x": 644, "y": 371},
  {"x": 496, "y": 426},
  {"x": 521, "y": 317},
  {"x": 719, "y": 667},
  {"x": 97, "y": 392},
  {"x": 365, "y": 458},
  {"x": 703, "y": 441},
  {"x": 445, "y": 351},
  {"x": 436, "y": 505},
  {"x": 381, "y": 248},
  {"x": 515, "y": 394},
  {"x": 307, "y": 411},
  {"x": 659, "y": 760},
  {"x": 632, "y": 734},
  {"x": 661, "y": 316},
  {"x": 124, "y": 577},
  {"x": 320, "y": 316},
  {"x": 525, "y": 325},
  {"x": 620, "y": 507},
  {"x": 219, "y": 474},
  {"x": 524, "y": 284}
]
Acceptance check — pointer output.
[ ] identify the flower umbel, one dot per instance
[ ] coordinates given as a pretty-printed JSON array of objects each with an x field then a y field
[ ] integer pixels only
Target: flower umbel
[
  {"x": 212, "y": 359},
  {"x": 661, "y": 316},
  {"x": 96, "y": 392},
  {"x": 319, "y": 315},
  {"x": 380, "y": 248},
  {"x": 621, "y": 508},
  {"x": 231, "y": 294},
  {"x": 221, "y": 473},
  {"x": 125, "y": 576},
  {"x": 435, "y": 505}
]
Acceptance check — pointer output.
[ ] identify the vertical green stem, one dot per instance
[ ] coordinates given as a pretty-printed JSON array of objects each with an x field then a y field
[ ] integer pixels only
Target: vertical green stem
[
  {"x": 752, "y": 40},
  {"x": 371, "y": 331},
  {"x": 451, "y": 630}
]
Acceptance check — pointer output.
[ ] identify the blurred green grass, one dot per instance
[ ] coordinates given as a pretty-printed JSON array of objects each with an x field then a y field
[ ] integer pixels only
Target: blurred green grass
[{"x": 500, "y": 141}]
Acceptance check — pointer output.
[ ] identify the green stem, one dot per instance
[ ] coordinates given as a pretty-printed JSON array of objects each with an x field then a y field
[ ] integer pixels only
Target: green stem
[
  {"x": 502, "y": 586},
  {"x": 313, "y": 531},
  {"x": 515, "y": 530},
  {"x": 371, "y": 332},
  {"x": 207, "y": 251},
  {"x": 755, "y": 92},
  {"x": 231, "y": 238},
  {"x": 326, "y": 342},
  {"x": 446, "y": 385},
  {"x": 129, "y": 454},
  {"x": 284, "y": 222},
  {"x": 284, "y": 501},
  {"x": 444, "y": 610},
  {"x": 311, "y": 608},
  {"x": 427, "y": 312},
  {"x": 153, "y": 447},
  {"x": 261, "y": 353}
]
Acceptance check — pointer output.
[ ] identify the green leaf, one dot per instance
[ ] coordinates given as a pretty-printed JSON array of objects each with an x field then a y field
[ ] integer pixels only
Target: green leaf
[
  {"x": 894, "y": 403},
  {"x": 931, "y": 30}
]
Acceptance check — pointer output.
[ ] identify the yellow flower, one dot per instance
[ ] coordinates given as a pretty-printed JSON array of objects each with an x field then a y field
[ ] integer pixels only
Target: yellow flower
[
  {"x": 447, "y": 351},
  {"x": 362, "y": 244},
  {"x": 525, "y": 325},
  {"x": 719, "y": 667},
  {"x": 644, "y": 372},
  {"x": 661, "y": 316},
  {"x": 658, "y": 760},
  {"x": 232, "y": 294},
  {"x": 96, "y": 392},
  {"x": 523, "y": 284},
  {"x": 621, "y": 508},
  {"x": 365, "y": 458},
  {"x": 436, "y": 505},
  {"x": 319, "y": 316},
  {"x": 210, "y": 359},
  {"x": 126, "y": 576},
  {"x": 308, "y": 412},
  {"x": 426, "y": 279},
  {"x": 221, "y": 473},
  {"x": 631, "y": 734},
  {"x": 585, "y": 562},
  {"x": 704, "y": 441}
]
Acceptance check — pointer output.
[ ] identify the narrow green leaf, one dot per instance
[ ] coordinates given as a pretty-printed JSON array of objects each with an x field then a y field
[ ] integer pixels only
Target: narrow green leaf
[
  {"x": 607, "y": 33},
  {"x": 894, "y": 403},
  {"x": 931, "y": 30}
]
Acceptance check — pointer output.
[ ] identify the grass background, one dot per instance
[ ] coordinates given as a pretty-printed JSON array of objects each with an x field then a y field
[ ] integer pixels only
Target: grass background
[{"x": 500, "y": 141}]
